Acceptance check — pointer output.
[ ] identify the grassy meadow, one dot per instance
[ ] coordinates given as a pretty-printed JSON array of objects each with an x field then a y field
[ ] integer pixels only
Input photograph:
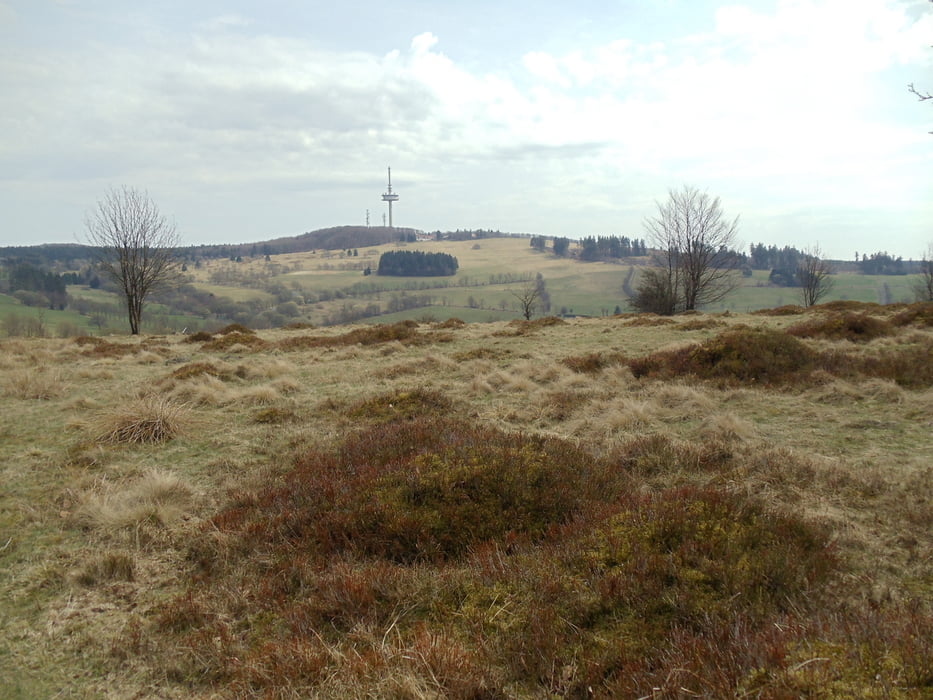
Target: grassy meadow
[
  {"x": 710, "y": 505},
  {"x": 577, "y": 288}
]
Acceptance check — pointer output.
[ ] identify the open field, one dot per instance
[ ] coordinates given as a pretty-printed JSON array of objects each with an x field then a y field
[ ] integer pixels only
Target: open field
[
  {"x": 711, "y": 505},
  {"x": 578, "y": 288}
]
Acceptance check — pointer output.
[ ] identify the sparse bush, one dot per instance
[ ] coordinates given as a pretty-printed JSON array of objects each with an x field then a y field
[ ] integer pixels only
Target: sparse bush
[{"x": 407, "y": 405}]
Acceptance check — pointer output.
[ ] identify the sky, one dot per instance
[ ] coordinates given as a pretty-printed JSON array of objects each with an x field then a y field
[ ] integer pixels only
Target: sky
[{"x": 249, "y": 120}]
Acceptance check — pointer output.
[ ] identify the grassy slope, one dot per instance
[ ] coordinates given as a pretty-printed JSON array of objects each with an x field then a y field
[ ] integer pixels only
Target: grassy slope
[
  {"x": 590, "y": 289},
  {"x": 853, "y": 454}
]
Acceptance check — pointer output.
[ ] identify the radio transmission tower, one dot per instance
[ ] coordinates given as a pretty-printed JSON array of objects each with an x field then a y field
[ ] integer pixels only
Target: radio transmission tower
[{"x": 390, "y": 197}]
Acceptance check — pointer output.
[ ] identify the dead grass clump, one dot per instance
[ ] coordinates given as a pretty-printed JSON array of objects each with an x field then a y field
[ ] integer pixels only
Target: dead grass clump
[
  {"x": 483, "y": 353},
  {"x": 919, "y": 314},
  {"x": 520, "y": 327},
  {"x": 101, "y": 348},
  {"x": 649, "y": 320},
  {"x": 846, "y": 305},
  {"x": 451, "y": 323},
  {"x": 593, "y": 362},
  {"x": 395, "y": 405},
  {"x": 700, "y": 324},
  {"x": 909, "y": 366},
  {"x": 236, "y": 328},
  {"x": 298, "y": 326},
  {"x": 249, "y": 340},
  {"x": 140, "y": 421},
  {"x": 158, "y": 498},
  {"x": 786, "y": 310},
  {"x": 844, "y": 326},
  {"x": 404, "y": 332},
  {"x": 747, "y": 355},
  {"x": 115, "y": 566},
  {"x": 274, "y": 415},
  {"x": 199, "y": 369},
  {"x": 728, "y": 427},
  {"x": 199, "y": 337},
  {"x": 42, "y": 384}
]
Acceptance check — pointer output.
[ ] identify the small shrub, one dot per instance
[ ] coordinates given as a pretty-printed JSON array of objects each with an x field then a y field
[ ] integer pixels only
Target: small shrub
[
  {"x": 236, "y": 328},
  {"x": 643, "y": 320},
  {"x": 225, "y": 342},
  {"x": 748, "y": 355},
  {"x": 920, "y": 314},
  {"x": 198, "y": 369},
  {"x": 274, "y": 415},
  {"x": 407, "y": 405},
  {"x": 199, "y": 337},
  {"x": 298, "y": 326},
  {"x": 786, "y": 310},
  {"x": 593, "y": 362},
  {"x": 845, "y": 326},
  {"x": 452, "y": 322}
]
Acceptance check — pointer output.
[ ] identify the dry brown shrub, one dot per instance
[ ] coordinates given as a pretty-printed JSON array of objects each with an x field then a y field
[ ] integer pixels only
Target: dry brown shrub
[
  {"x": 235, "y": 328},
  {"x": 199, "y": 369},
  {"x": 199, "y": 337},
  {"x": 649, "y": 320},
  {"x": 844, "y": 326},
  {"x": 147, "y": 420},
  {"x": 104, "y": 349},
  {"x": 787, "y": 310},
  {"x": 843, "y": 305},
  {"x": 700, "y": 324},
  {"x": 483, "y": 353},
  {"x": 298, "y": 326},
  {"x": 405, "y": 404},
  {"x": 451, "y": 323},
  {"x": 919, "y": 314},
  {"x": 249, "y": 341}
]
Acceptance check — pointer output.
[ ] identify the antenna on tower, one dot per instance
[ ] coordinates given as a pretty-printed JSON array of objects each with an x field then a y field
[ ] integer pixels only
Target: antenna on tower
[{"x": 389, "y": 197}]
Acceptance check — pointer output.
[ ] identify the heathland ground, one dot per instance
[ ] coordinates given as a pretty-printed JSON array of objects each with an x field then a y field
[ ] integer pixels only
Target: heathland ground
[{"x": 710, "y": 505}]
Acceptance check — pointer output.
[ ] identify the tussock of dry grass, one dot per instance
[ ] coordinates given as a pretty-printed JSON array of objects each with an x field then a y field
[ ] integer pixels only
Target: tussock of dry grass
[
  {"x": 138, "y": 421},
  {"x": 35, "y": 383},
  {"x": 158, "y": 498}
]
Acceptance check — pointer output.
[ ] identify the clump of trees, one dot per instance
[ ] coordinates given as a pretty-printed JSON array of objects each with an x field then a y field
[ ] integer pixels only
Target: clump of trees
[
  {"x": 416, "y": 263},
  {"x": 696, "y": 263}
]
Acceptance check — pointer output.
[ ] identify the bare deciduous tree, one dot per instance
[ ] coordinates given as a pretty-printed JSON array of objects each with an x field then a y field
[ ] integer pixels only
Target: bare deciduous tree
[
  {"x": 923, "y": 288},
  {"x": 137, "y": 246},
  {"x": 528, "y": 296},
  {"x": 696, "y": 264},
  {"x": 814, "y": 276}
]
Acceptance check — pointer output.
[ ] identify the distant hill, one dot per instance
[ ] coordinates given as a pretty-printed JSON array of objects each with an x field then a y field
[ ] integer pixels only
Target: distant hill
[{"x": 334, "y": 238}]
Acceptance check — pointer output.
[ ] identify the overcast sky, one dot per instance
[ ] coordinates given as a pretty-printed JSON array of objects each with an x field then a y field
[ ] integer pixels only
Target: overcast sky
[{"x": 247, "y": 120}]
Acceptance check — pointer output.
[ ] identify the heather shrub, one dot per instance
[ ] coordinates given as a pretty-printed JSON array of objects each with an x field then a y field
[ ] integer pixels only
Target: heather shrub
[
  {"x": 406, "y": 404},
  {"x": 786, "y": 310},
  {"x": 593, "y": 362},
  {"x": 236, "y": 328},
  {"x": 746, "y": 355},
  {"x": 844, "y": 326},
  {"x": 199, "y": 337},
  {"x": 920, "y": 314},
  {"x": 234, "y": 337}
]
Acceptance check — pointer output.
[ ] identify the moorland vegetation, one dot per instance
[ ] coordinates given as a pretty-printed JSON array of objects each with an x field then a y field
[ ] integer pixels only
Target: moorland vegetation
[{"x": 704, "y": 505}]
